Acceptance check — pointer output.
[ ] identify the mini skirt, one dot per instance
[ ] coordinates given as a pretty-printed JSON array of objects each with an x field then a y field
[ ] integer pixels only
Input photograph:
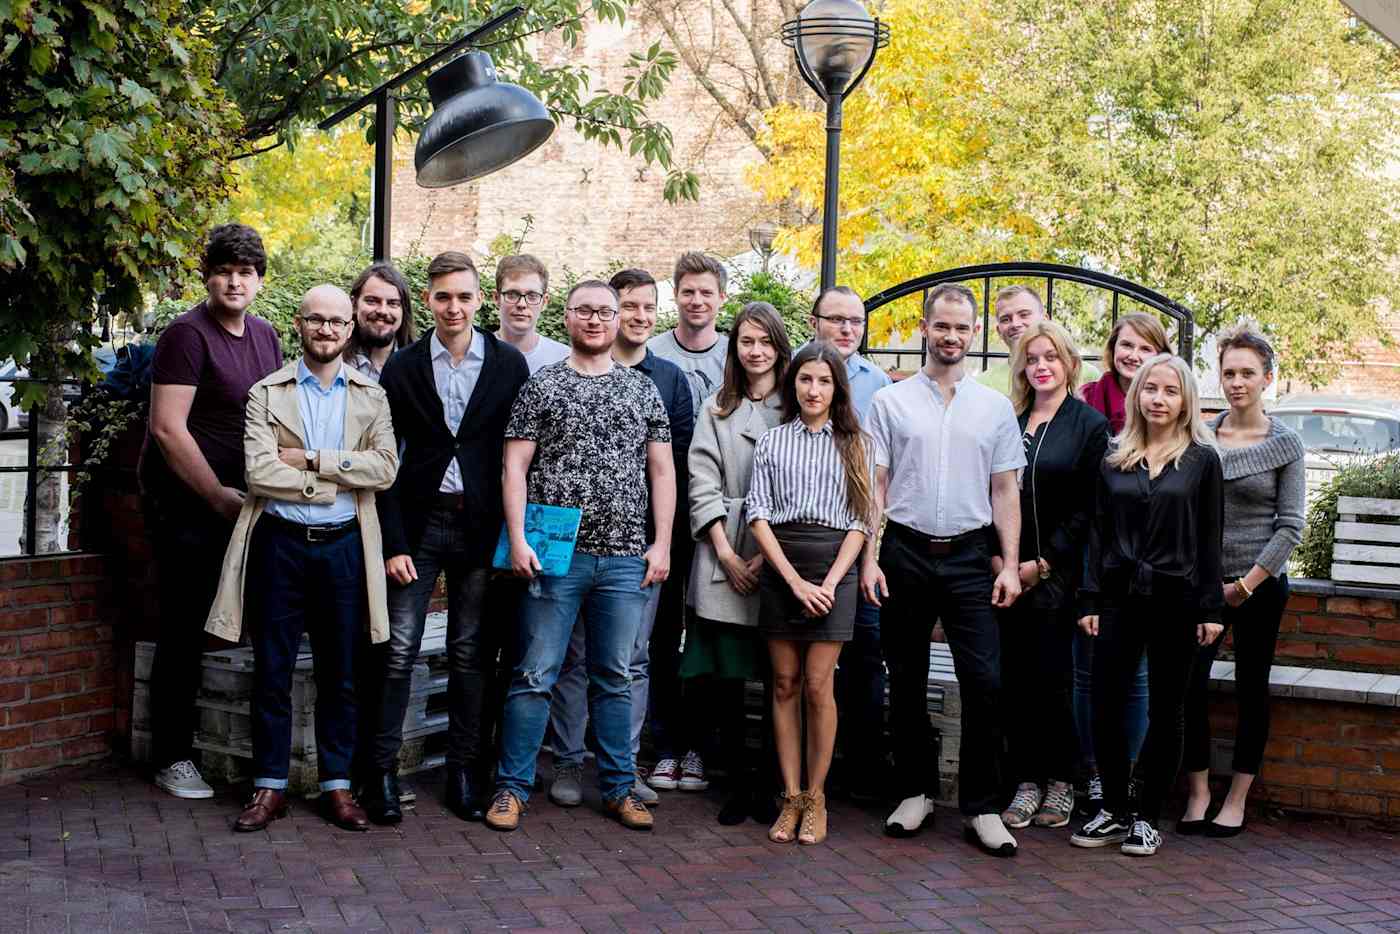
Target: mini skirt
[{"x": 812, "y": 550}]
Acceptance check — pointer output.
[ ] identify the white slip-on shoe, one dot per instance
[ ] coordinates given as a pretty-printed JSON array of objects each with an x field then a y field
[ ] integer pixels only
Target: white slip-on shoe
[
  {"x": 912, "y": 816},
  {"x": 988, "y": 832},
  {"x": 183, "y": 780}
]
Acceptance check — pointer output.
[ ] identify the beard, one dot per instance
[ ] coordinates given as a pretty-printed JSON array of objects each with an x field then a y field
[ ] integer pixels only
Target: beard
[
  {"x": 371, "y": 340},
  {"x": 949, "y": 356},
  {"x": 319, "y": 355}
]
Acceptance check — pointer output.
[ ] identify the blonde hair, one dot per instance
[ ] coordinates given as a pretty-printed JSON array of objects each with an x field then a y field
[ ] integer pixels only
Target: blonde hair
[
  {"x": 1130, "y": 447},
  {"x": 1146, "y": 325},
  {"x": 1022, "y": 395}
]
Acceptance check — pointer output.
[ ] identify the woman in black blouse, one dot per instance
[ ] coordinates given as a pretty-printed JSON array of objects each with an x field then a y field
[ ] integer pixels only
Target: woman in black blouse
[
  {"x": 1065, "y": 441},
  {"x": 1151, "y": 584}
]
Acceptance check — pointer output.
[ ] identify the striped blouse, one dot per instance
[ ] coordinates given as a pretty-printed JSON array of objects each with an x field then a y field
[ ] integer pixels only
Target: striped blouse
[{"x": 798, "y": 477}]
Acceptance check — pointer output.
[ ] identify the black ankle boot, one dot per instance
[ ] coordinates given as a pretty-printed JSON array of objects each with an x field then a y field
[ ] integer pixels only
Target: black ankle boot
[
  {"x": 462, "y": 797},
  {"x": 736, "y": 807},
  {"x": 380, "y": 798}
]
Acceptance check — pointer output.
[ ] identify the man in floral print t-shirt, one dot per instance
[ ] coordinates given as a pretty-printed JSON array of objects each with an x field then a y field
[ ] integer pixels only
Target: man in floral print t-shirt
[{"x": 594, "y": 435}]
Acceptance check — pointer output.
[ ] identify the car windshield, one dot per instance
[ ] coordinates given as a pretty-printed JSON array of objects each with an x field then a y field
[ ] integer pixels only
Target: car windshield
[{"x": 1333, "y": 431}]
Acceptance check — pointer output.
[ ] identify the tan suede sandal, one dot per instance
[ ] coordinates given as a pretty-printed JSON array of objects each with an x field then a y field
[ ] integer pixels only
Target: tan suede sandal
[
  {"x": 784, "y": 829},
  {"x": 813, "y": 819}
]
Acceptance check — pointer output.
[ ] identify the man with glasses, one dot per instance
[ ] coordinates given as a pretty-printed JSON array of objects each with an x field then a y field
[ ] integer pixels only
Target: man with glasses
[
  {"x": 522, "y": 288},
  {"x": 450, "y": 395},
  {"x": 383, "y": 318},
  {"x": 591, "y": 434},
  {"x": 838, "y": 317},
  {"x": 318, "y": 445}
]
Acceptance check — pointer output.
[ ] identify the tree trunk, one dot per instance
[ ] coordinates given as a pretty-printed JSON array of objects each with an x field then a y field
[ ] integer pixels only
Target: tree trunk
[{"x": 51, "y": 492}]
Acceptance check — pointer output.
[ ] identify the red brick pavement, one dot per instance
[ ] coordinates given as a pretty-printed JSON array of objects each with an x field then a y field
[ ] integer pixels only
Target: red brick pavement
[{"x": 97, "y": 849}]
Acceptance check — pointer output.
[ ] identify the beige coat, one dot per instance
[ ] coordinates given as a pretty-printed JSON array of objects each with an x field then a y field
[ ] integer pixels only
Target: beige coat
[
  {"x": 721, "y": 466},
  {"x": 273, "y": 421}
]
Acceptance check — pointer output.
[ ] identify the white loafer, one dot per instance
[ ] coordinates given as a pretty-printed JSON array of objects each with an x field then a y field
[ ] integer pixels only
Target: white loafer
[
  {"x": 988, "y": 832},
  {"x": 912, "y": 816}
]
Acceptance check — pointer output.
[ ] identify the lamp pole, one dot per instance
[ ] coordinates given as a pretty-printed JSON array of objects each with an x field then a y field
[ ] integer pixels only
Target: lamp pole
[{"x": 833, "y": 41}]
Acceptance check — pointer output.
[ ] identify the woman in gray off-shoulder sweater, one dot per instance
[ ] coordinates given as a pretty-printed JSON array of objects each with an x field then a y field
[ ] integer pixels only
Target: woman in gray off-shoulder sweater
[{"x": 1264, "y": 501}]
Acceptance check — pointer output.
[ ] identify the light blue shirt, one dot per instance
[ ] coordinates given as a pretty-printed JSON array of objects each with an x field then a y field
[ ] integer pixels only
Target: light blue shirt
[
  {"x": 455, "y": 385},
  {"x": 323, "y": 429}
]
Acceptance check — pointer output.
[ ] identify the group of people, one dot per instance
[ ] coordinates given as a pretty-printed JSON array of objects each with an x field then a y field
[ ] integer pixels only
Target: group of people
[{"x": 750, "y": 511}]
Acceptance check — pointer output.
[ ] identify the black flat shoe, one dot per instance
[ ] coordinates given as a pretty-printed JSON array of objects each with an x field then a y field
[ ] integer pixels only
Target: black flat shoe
[
  {"x": 763, "y": 808},
  {"x": 381, "y": 799},
  {"x": 736, "y": 809},
  {"x": 1221, "y": 832},
  {"x": 1191, "y": 828}
]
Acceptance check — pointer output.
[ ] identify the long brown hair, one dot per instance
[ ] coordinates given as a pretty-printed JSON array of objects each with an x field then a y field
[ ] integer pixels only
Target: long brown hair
[
  {"x": 736, "y": 379},
  {"x": 845, "y": 423}
]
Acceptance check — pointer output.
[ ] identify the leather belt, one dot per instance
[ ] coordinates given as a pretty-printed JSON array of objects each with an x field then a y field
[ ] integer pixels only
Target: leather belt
[
  {"x": 313, "y": 534},
  {"x": 454, "y": 502},
  {"x": 933, "y": 544}
]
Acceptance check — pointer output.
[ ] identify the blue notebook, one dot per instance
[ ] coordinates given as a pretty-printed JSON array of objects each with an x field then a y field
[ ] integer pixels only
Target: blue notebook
[{"x": 551, "y": 531}]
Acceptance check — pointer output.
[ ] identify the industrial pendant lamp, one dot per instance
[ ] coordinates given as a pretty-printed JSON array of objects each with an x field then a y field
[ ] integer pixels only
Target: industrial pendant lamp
[{"x": 478, "y": 124}]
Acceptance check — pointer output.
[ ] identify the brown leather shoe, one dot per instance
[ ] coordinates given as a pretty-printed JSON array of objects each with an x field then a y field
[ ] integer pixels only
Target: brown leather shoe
[
  {"x": 504, "y": 812},
  {"x": 267, "y": 805},
  {"x": 339, "y": 808},
  {"x": 630, "y": 812}
]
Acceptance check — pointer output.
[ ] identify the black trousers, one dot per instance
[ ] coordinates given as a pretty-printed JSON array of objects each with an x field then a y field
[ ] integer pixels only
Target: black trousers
[
  {"x": 296, "y": 586},
  {"x": 860, "y": 698},
  {"x": 956, "y": 588},
  {"x": 1166, "y": 631},
  {"x": 673, "y": 730},
  {"x": 1037, "y": 674},
  {"x": 190, "y": 541},
  {"x": 1255, "y": 624},
  {"x": 440, "y": 551}
]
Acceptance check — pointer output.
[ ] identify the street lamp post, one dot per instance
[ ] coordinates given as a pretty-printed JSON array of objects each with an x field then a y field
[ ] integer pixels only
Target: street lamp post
[
  {"x": 835, "y": 43},
  {"x": 761, "y": 239}
]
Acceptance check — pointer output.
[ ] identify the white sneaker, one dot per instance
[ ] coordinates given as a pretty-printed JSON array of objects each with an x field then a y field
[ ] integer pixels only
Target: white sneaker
[
  {"x": 644, "y": 792},
  {"x": 665, "y": 776},
  {"x": 183, "y": 781},
  {"x": 988, "y": 832},
  {"x": 912, "y": 816}
]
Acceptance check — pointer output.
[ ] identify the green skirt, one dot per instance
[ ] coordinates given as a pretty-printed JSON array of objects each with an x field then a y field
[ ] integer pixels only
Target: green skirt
[{"x": 723, "y": 650}]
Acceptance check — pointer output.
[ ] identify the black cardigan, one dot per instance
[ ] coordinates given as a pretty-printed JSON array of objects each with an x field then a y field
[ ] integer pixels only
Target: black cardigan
[
  {"x": 1057, "y": 488},
  {"x": 426, "y": 446}
]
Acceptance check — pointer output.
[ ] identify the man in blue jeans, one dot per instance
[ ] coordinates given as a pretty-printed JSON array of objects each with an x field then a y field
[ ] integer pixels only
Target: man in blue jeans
[{"x": 590, "y": 434}]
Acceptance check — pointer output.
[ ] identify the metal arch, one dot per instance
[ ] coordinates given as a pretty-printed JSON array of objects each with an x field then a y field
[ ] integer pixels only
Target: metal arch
[{"x": 1186, "y": 323}]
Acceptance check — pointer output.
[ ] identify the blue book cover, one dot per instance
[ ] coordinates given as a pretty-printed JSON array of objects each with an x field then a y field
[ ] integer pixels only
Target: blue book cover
[{"x": 551, "y": 531}]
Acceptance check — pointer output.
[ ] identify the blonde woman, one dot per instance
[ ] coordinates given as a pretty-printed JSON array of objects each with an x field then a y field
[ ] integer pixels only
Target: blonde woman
[
  {"x": 1064, "y": 441},
  {"x": 1151, "y": 586}
]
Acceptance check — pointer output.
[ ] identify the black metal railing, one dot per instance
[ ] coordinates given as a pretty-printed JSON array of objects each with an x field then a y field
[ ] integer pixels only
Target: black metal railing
[
  {"x": 26, "y": 426},
  {"x": 1115, "y": 289}
]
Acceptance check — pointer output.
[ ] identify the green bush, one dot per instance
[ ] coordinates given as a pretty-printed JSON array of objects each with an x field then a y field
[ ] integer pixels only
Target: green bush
[{"x": 1377, "y": 476}]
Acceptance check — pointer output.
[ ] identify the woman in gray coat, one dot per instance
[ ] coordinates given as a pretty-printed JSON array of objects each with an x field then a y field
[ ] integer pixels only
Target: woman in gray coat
[{"x": 722, "y": 644}]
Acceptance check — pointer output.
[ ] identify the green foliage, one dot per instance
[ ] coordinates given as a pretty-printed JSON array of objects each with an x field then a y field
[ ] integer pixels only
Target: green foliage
[
  {"x": 115, "y": 146},
  {"x": 793, "y": 304},
  {"x": 288, "y": 63},
  {"x": 1377, "y": 476}
]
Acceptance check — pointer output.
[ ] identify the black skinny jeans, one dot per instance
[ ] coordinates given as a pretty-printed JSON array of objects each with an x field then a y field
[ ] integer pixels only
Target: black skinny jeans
[
  {"x": 1166, "y": 631},
  {"x": 1255, "y": 623},
  {"x": 1037, "y": 669}
]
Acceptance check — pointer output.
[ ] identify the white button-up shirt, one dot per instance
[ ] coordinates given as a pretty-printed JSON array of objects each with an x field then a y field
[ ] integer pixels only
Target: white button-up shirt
[
  {"x": 941, "y": 455},
  {"x": 455, "y": 385}
]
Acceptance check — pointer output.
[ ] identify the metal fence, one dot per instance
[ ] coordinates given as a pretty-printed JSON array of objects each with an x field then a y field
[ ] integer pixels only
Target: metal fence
[{"x": 20, "y": 538}]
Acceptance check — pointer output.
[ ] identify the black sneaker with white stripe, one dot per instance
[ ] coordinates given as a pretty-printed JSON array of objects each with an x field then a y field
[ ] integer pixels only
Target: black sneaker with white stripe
[
  {"x": 1103, "y": 829},
  {"x": 1143, "y": 839}
]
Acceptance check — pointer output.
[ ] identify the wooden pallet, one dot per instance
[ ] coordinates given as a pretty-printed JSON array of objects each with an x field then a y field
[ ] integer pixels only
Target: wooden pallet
[{"x": 1366, "y": 546}]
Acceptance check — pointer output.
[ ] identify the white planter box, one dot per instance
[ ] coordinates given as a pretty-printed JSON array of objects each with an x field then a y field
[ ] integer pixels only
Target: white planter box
[{"x": 1366, "y": 547}]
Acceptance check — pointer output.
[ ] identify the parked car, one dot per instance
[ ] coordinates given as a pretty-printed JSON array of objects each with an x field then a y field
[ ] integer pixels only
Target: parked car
[
  {"x": 9, "y": 412},
  {"x": 1338, "y": 430}
]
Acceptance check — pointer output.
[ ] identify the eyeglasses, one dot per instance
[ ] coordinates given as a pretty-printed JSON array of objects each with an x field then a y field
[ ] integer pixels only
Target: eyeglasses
[
  {"x": 374, "y": 301},
  {"x": 316, "y": 323},
  {"x": 855, "y": 324},
  {"x": 530, "y": 298},
  {"x": 602, "y": 313}
]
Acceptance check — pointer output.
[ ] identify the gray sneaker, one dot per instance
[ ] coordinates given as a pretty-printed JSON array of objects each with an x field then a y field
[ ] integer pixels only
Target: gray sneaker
[
  {"x": 644, "y": 792},
  {"x": 183, "y": 781},
  {"x": 567, "y": 788}
]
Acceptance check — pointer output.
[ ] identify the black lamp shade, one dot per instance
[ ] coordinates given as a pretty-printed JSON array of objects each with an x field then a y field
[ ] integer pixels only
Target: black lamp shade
[{"x": 478, "y": 124}]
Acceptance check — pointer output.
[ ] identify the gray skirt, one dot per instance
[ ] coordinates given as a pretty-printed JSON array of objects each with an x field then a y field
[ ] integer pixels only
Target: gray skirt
[{"x": 812, "y": 550}]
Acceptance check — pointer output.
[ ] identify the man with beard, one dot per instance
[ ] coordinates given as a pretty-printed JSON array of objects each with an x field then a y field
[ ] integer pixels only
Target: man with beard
[
  {"x": 383, "y": 318},
  {"x": 947, "y": 450},
  {"x": 306, "y": 553}
]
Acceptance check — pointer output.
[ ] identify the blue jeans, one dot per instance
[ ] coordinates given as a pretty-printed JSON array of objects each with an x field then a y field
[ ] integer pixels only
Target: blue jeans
[
  {"x": 609, "y": 593},
  {"x": 319, "y": 588},
  {"x": 568, "y": 709},
  {"x": 1134, "y": 707}
]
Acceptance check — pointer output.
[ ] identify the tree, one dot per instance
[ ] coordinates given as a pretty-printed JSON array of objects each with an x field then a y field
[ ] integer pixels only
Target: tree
[
  {"x": 1233, "y": 155},
  {"x": 913, "y": 199},
  {"x": 288, "y": 63},
  {"x": 115, "y": 143}
]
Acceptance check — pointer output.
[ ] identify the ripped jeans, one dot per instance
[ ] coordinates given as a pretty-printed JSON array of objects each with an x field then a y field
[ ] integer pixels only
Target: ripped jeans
[{"x": 608, "y": 591}]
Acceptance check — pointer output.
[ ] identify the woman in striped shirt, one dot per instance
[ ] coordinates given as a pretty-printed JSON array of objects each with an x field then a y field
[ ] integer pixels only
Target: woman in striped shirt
[{"x": 809, "y": 507}]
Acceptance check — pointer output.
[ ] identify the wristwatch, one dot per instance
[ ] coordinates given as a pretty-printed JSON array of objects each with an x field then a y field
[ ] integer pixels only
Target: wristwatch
[
  {"x": 1044, "y": 567},
  {"x": 311, "y": 457}
]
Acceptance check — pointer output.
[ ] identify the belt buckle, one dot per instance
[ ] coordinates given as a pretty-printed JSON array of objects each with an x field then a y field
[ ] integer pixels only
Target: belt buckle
[
  {"x": 316, "y": 534},
  {"x": 939, "y": 546}
]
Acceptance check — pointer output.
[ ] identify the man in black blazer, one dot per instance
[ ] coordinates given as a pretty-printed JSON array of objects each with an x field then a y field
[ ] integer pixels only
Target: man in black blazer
[{"x": 450, "y": 395}]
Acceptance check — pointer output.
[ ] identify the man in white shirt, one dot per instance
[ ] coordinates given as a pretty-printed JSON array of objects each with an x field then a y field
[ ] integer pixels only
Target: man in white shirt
[
  {"x": 947, "y": 450},
  {"x": 522, "y": 288}
]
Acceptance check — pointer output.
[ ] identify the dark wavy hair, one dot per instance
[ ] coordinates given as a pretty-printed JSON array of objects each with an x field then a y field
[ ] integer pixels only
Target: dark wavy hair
[
  {"x": 389, "y": 273},
  {"x": 233, "y": 244},
  {"x": 845, "y": 423},
  {"x": 736, "y": 379}
]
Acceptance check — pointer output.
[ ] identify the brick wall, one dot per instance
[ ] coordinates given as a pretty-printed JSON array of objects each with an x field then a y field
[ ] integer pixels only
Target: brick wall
[
  {"x": 1351, "y": 633},
  {"x": 56, "y": 665}
]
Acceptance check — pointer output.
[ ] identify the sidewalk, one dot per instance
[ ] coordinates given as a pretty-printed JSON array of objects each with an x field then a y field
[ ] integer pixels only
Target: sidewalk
[{"x": 98, "y": 849}]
